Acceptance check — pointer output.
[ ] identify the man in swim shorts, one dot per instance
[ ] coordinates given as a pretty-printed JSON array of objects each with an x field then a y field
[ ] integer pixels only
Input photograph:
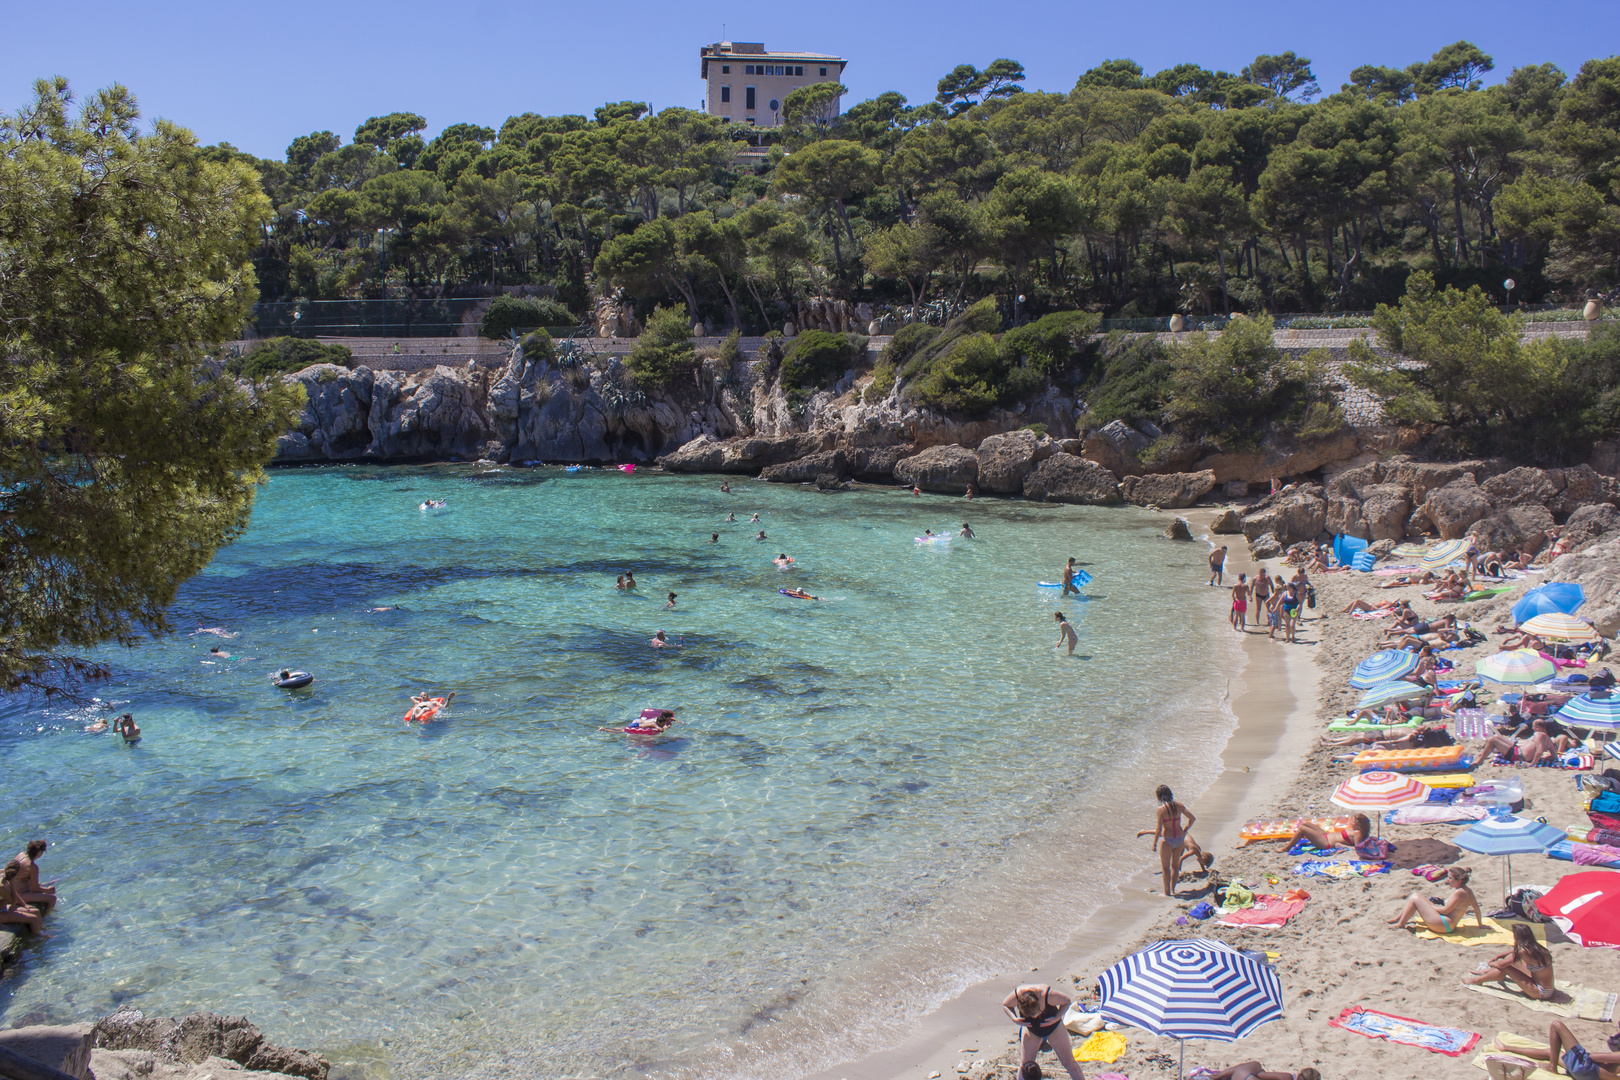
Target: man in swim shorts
[
  {"x": 1240, "y": 603},
  {"x": 1068, "y": 578},
  {"x": 1217, "y": 565},
  {"x": 1066, "y": 634}
]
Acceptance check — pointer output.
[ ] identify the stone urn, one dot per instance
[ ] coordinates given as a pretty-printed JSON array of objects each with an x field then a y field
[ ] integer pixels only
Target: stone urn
[
  {"x": 1178, "y": 323},
  {"x": 788, "y": 330},
  {"x": 1592, "y": 311}
]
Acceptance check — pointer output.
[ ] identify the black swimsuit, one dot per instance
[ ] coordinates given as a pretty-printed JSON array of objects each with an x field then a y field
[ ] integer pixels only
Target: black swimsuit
[{"x": 1041, "y": 1027}]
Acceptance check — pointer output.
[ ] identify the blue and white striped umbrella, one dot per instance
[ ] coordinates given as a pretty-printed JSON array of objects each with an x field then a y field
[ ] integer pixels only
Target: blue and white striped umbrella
[
  {"x": 1592, "y": 712},
  {"x": 1197, "y": 989},
  {"x": 1387, "y": 693},
  {"x": 1507, "y": 837},
  {"x": 1382, "y": 667}
]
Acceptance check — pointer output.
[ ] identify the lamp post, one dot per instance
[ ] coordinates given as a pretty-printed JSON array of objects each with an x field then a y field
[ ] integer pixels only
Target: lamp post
[
  {"x": 382, "y": 243},
  {"x": 1510, "y": 285},
  {"x": 1018, "y": 308}
]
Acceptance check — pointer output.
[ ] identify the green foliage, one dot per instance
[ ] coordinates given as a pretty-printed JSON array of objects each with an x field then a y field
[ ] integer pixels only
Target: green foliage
[
  {"x": 276, "y": 356},
  {"x": 1230, "y": 390},
  {"x": 883, "y": 376},
  {"x": 817, "y": 357},
  {"x": 907, "y": 341},
  {"x": 124, "y": 262},
  {"x": 1053, "y": 344},
  {"x": 1129, "y": 379},
  {"x": 508, "y": 313},
  {"x": 972, "y": 377},
  {"x": 731, "y": 349},
  {"x": 538, "y": 346},
  {"x": 664, "y": 350}
]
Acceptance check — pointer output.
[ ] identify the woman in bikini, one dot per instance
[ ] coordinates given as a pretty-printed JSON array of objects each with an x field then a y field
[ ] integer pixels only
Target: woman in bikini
[
  {"x": 1253, "y": 1070},
  {"x": 1171, "y": 830},
  {"x": 1038, "y": 1012},
  {"x": 1446, "y": 917},
  {"x": 1356, "y": 835},
  {"x": 1528, "y": 964}
]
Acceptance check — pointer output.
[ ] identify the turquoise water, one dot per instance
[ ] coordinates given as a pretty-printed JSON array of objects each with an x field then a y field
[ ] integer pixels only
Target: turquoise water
[{"x": 868, "y": 802}]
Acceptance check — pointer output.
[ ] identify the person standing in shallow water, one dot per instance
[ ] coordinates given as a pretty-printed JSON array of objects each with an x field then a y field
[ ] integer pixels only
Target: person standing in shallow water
[
  {"x": 1068, "y": 579},
  {"x": 1240, "y": 603},
  {"x": 1066, "y": 634},
  {"x": 1217, "y": 565},
  {"x": 1172, "y": 831}
]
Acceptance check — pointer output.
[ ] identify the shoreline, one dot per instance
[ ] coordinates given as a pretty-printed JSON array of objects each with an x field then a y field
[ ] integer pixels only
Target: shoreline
[{"x": 1275, "y": 709}]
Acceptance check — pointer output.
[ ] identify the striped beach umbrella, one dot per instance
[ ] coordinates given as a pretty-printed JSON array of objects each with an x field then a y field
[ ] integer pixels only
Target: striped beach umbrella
[
  {"x": 1507, "y": 837},
  {"x": 1379, "y": 791},
  {"x": 1387, "y": 693},
  {"x": 1195, "y": 989},
  {"x": 1382, "y": 667},
  {"x": 1443, "y": 554},
  {"x": 1556, "y": 624},
  {"x": 1516, "y": 667},
  {"x": 1564, "y": 597},
  {"x": 1587, "y": 711}
]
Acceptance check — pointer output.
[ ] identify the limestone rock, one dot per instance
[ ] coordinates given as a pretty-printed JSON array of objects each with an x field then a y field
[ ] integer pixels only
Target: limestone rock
[
  {"x": 1171, "y": 491},
  {"x": 65, "y": 1048},
  {"x": 1523, "y": 486},
  {"x": 196, "y": 1038},
  {"x": 875, "y": 464},
  {"x": 1228, "y": 522},
  {"x": 1297, "y": 515},
  {"x": 1420, "y": 478},
  {"x": 1344, "y": 515},
  {"x": 1114, "y": 446},
  {"x": 1265, "y": 546},
  {"x": 1453, "y": 508},
  {"x": 1178, "y": 529},
  {"x": 1070, "y": 479},
  {"x": 709, "y": 454},
  {"x": 948, "y": 469},
  {"x": 1385, "y": 508},
  {"x": 1235, "y": 489},
  {"x": 1589, "y": 524},
  {"x": 1583, "y": 486},
  {"x": 1518, "y": 528},
  {"x": 1281, "y": 457},
  {"x": 1005, "y": 460},
  {"x": 808, "y": 468},
  {"x": 1597, "y": 570},
  {"x": 1383, "y": 549}
]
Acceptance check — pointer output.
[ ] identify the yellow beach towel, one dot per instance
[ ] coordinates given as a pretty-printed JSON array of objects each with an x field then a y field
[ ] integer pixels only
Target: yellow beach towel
[
  {"x": 1579, "y": 1002},
  {"x": 1493, "y": 933},
  {"x": 1513, "y": 1042},
  {"x": 1105, "y": 1046}
]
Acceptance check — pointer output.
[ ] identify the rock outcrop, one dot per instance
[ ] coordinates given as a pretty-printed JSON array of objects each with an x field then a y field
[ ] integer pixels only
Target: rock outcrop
[
  {"x": 1168, "y": 491},
  {"x": 129, "y": 1043},
  {"x": 1178, "y": 529},
  {"x": 65, "y": 1048},
  {"x": 1229, "y": 522},
  {"x": 807, "y": 469},
  {"x": 1292, "y": 515},
  {"x": 946, "y": 469},
  {"x": 1278, "y": 457},
  {"x": 1455, "y": 507},
  {"x": 1070, "y": 479},
  {"x": 1006, "y": 460}
]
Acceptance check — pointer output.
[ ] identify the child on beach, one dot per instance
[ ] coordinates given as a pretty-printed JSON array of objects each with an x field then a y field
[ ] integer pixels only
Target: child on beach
[{"x": 1240, "y": 603}]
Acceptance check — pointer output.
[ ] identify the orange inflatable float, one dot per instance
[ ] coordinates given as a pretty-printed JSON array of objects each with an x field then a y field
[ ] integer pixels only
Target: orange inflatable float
[
  {"x": 1425, "y": 759},
  {"x": 1283, "y": 828},
  {"x": 423, "y": 711}
]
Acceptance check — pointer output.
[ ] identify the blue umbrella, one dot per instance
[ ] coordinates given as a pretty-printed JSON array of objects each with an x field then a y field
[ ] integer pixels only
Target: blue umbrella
[
  {"x": 1508, "y": 836},
  {"x": 1197, "y": 989},
  {"x": 1382, "y": 667},
  {"x": 1561, "y": 596},
  {"x": 1592, "y": 712}
]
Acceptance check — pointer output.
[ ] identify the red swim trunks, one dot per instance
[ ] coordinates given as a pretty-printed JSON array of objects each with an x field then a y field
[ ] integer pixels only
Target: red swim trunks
[{"x": 1240, "y": 606}]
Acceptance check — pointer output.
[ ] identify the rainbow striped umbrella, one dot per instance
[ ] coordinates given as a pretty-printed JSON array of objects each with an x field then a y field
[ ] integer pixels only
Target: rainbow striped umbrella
[
  {"x": 1444, "y": 554},
  {"x": 1555, "y": 624},
  {"x": 1382, "y": 667},
  {"x": 1378, "y": 791},
  {"x": 1387, "y": 693},
  {"x": 1516, "y": 667}
]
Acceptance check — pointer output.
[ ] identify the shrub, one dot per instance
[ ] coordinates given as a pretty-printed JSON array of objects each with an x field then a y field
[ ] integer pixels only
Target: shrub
[
  {"x": 508, "y": 313},
  {"x": 1129, "y": 377},
  {"x": 817, "y": 357},
  {"x": 275, "y": 356},
  {"x": 882, "y": 382},
  {"x": 538, "y": 346},
  {"x": 974, "y": 377},
  {"x": 981, "y": 318},
  {"x": 1053, "y": 344},
  {"x": 731, "y": 349},
  {"x": 1230, "y": 388},
  {"x": 906, "y": 341},
  {"x": 664, "y": 350}
]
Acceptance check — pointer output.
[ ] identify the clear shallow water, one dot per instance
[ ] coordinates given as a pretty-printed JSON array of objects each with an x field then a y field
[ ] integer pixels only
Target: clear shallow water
[{"x": 868, "y": 803}]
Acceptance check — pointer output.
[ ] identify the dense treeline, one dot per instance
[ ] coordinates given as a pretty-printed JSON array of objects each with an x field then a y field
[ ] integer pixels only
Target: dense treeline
[{"x": 1133, "y": 194}]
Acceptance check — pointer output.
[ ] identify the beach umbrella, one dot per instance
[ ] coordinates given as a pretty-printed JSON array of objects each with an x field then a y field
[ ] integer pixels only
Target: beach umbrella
[
  {"x": 1193, "y": 989},
  {"x": 1560, "y": 596},
  {"x": 1601, "y": 711},
  {"x": 1507, "y": 837},
  {"x": 1555, "y": 624},
  {"x": 1377, "y": 791},
  {"x": 1382, "y": 667},
  {"x": 1516, "y": 667},
  {"x": 1389, "y": 692},
  {"x": 1444, "y": 554},
  {"x": 1586, "y": 907}
]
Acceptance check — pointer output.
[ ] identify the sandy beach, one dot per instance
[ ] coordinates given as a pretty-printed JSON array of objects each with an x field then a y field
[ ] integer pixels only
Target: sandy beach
[{"x": 1339, "y": 951}]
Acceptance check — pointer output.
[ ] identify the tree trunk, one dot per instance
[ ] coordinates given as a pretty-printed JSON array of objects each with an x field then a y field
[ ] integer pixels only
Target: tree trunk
[
  {"x": 1220, "y": 261},
  {"x": 731, "y": 301}
]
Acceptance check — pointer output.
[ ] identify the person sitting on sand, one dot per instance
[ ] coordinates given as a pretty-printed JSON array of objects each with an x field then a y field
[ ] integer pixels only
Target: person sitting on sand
[
  {"x": 1038, "y": 1011},
  {"x": 1449, "y": 915},
  {"x": 1562, "y": 1046},
  {"x": 1528, "y": 964},
  {"x": 1253, "y": 1070},
  {"x": 1357, "y": 834},
  {"x": 1170, "y": 828},
  {"x": 1539, "y": 747},
  {"x": 12, "y": 908},
  {"x": 30, "y": 890},
  {"x": 1423, "y": 674}
]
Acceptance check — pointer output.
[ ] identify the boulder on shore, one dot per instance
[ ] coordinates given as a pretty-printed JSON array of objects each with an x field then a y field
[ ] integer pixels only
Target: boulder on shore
[
  {"x": 65, "y": 1048},
  {"x": 1005, "y": 460},
  {"x": 196, "y": 1038},
  {"x": 1227, "y": 523},
  {"x": 1070, "y": 479},
  {"x": 1178, "y": 530},
  {"x": 1588, "y": 524},
  {"x": 1454, "y": 508},
  {"x": 1265, "y": 546},
  {"x": 1294, "y": 516},
  {"x": 948, "y": 469},
  {"x": 808, "y": 468},
  {"x": 1169, "y": 491}
]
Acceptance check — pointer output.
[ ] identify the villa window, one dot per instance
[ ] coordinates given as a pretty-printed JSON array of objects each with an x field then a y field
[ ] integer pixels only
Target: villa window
[
  {"x": 823, "y": 72},
  {"x": 748, "y": 97},
  {"x": 725, "y": 69},
  {"x": 725, "y": 94}
]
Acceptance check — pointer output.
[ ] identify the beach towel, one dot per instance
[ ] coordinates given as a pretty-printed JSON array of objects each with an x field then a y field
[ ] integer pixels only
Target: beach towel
[
  {"x": 1585, "y": 854},
  {"x": 1382, "y": 613},
  {"x": 1303, "y": 846},
  {"x": 1268, "y": 913},
  {"x": 1435, "y": 814},
  {"x": 1576, "y": 1001},
  {"x": 1512, "y": 1041},
  {"x": 1338, "y": 871},
  {"x": 1104, "y": 1046},
  {"x": 1492, "y": 933},
  {"x": 1453, "y": 1042}
]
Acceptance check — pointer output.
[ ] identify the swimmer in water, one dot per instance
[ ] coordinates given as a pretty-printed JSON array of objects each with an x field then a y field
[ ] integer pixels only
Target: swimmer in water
[
  {"x": 126, "y": 726},
  {"x": 761, "y": 535},
  {"x": 661, "y": 641},
  {"x": 650, "y": 725},
  {"x": 629, "y": 580},
  {"x": 219, "y": 653},
  {"x": 731, "y": 517},
  {"x": 725, "y": 486},
  {"x": 620, "y": 583},
  {"x": 1066, "y": 634},
  {"x": 670, "y": 603},
  {"x": 714, "y": 538},
  {"x": 754, "y": 520},
  {"x": 966, "y": 531},
  {"x": 915, "y": 490},
  {"x": 97, "y": 727},
  {"x": 928, "y": 532},
  {"x": 799, "y": 594},
  {"x": 782, "y": 560}
]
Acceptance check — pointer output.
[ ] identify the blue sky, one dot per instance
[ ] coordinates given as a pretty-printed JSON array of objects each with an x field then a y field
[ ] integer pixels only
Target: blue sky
[{"x": 259, "y": 74}]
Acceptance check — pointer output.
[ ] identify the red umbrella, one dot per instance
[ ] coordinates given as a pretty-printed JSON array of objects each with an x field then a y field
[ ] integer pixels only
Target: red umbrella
[{"x": 1586, "y": 907}]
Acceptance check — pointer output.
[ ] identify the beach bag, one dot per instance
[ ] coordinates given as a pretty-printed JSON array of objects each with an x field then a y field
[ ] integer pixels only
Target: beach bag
[
  {"x": 1522, "y": 902},
  {"x": 1310, "y": 597}
]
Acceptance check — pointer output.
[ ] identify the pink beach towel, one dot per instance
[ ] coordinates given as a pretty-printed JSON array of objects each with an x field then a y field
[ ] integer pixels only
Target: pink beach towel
[
  {"x": 1265, "y": 914},
  {"x": 1384, "y": 614},
  {"x": 1561, "y": 663}
]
